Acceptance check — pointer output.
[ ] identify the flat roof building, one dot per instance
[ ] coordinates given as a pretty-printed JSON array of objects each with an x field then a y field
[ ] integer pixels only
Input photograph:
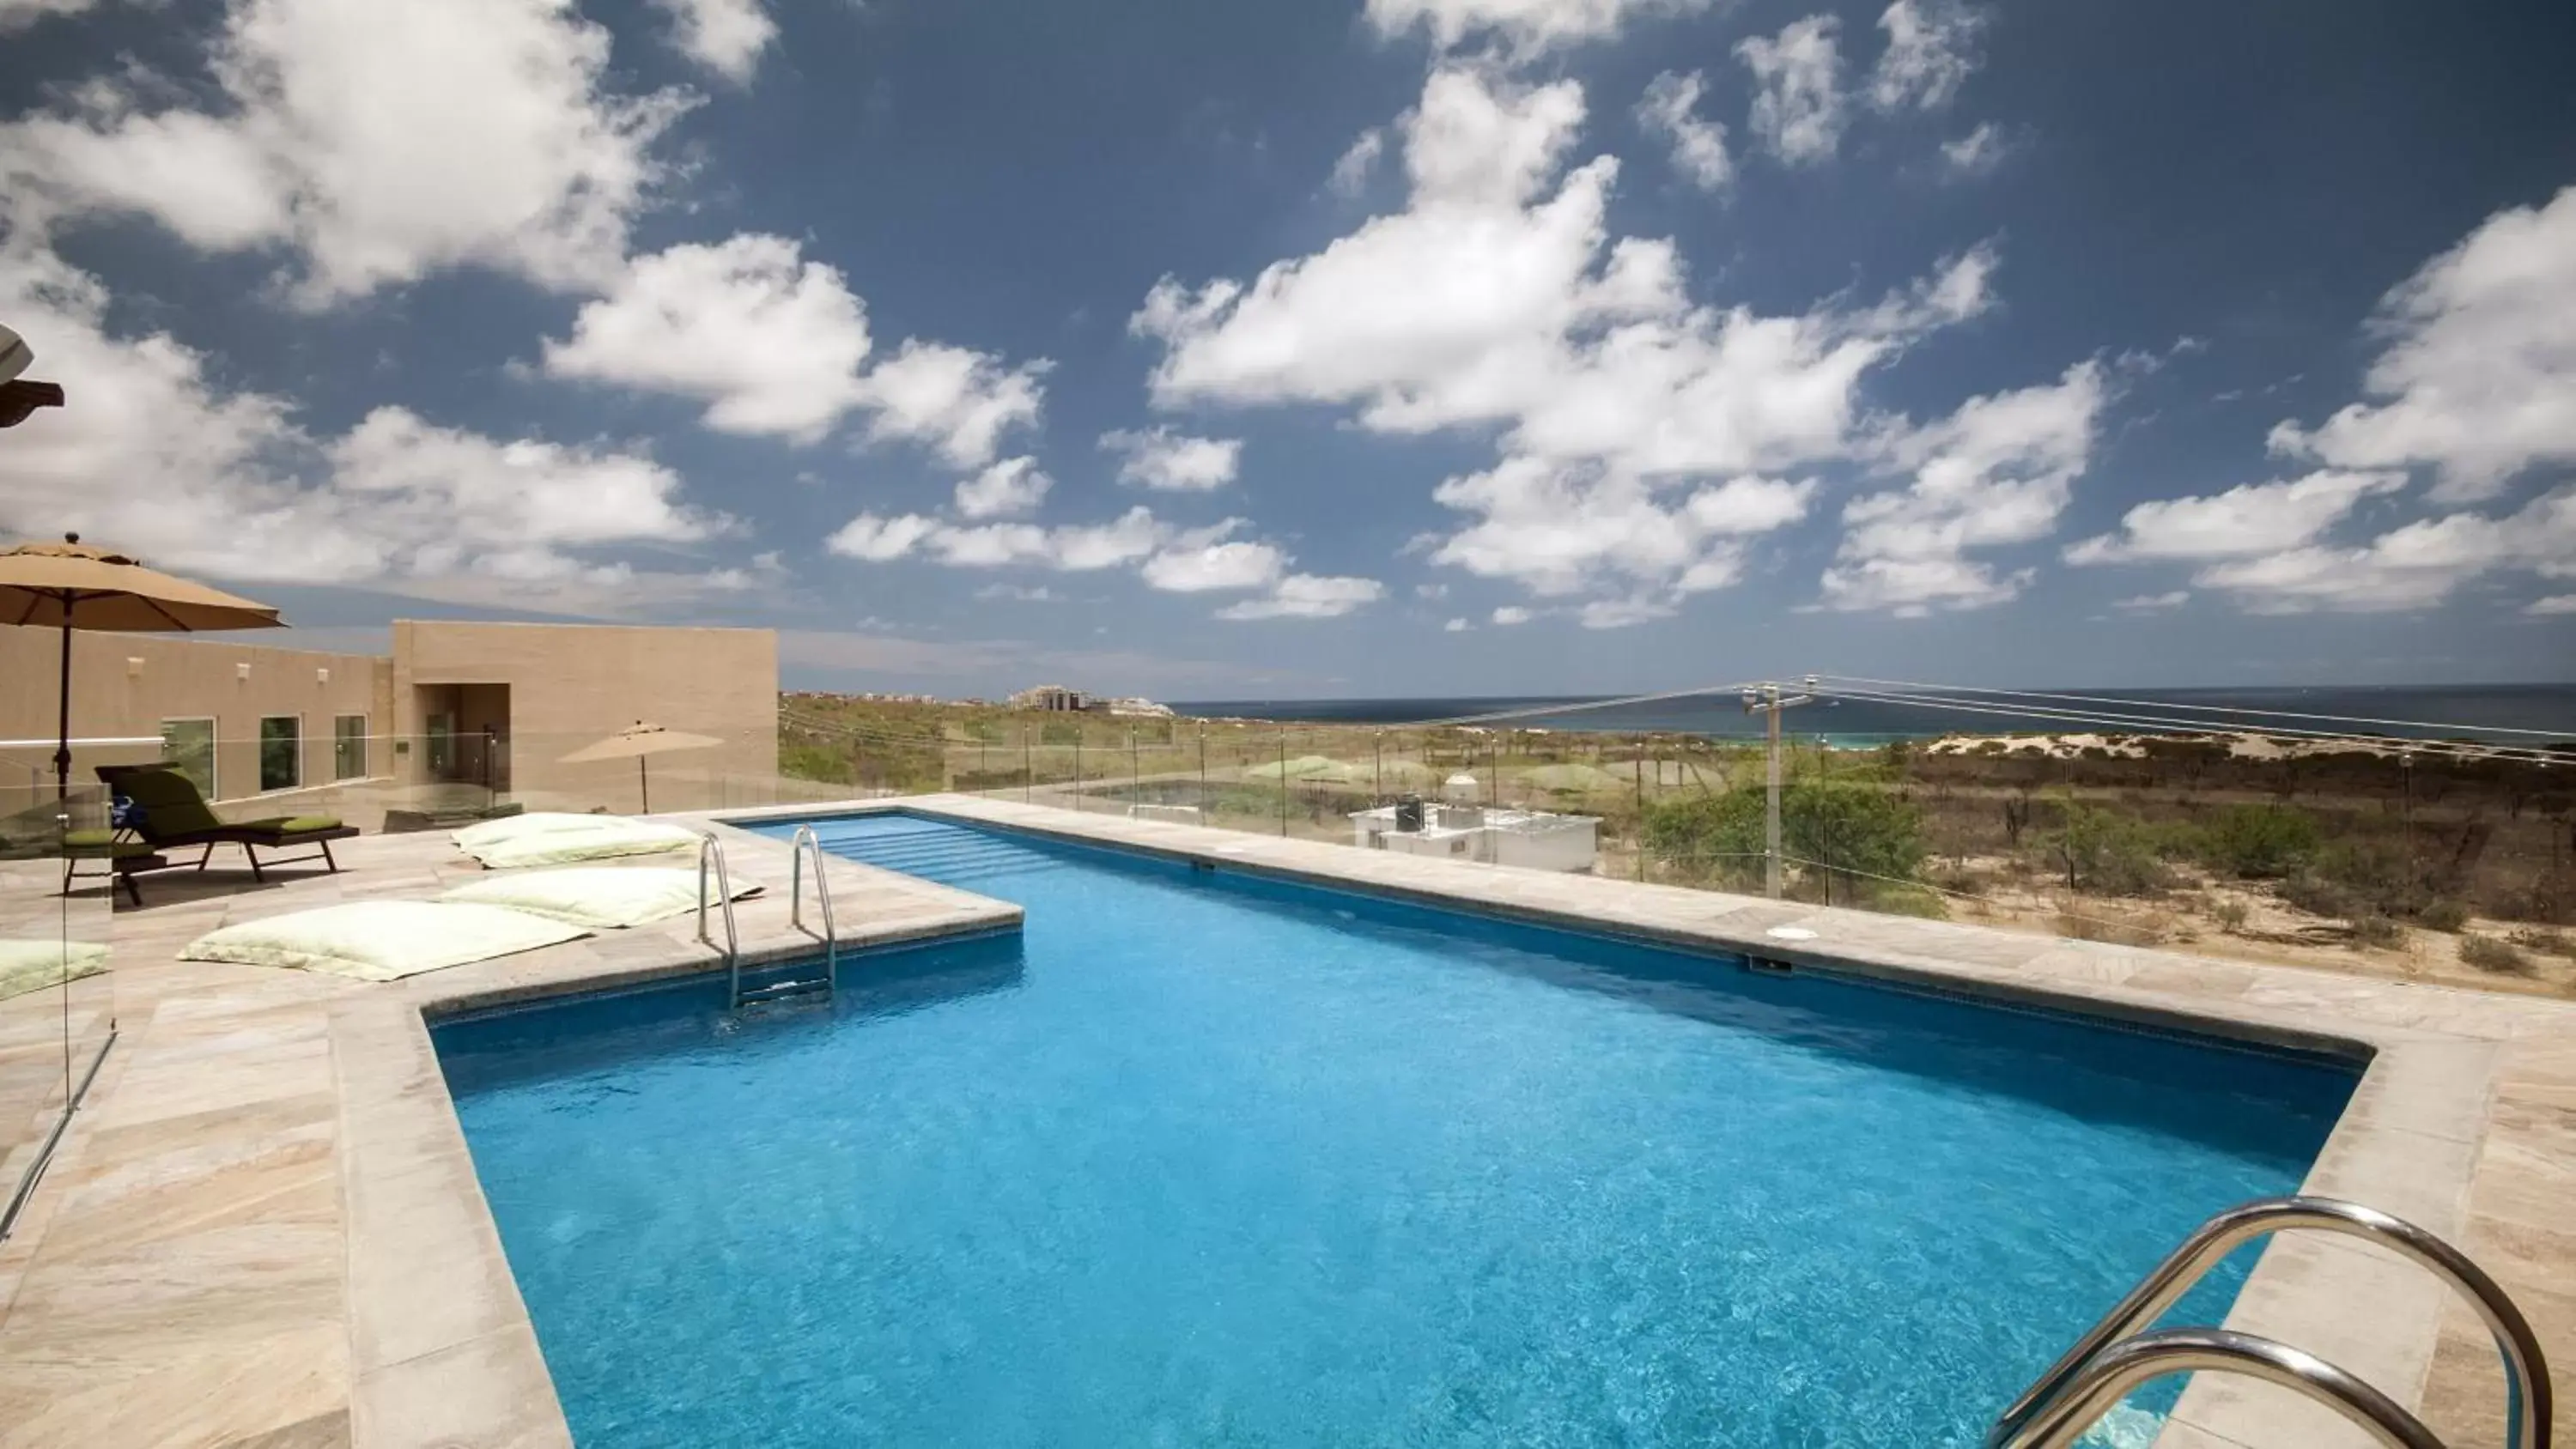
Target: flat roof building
[{"x": 490, "y": 706}]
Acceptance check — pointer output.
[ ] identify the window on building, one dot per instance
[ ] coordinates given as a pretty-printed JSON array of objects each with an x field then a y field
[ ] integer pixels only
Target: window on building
[
  {"x": 188, "y": 746},
  {"x": 281, "y": 752},
  {"x": 349, "y": 747}
]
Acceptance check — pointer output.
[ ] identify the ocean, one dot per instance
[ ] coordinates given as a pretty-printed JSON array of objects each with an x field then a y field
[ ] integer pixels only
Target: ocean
[{"x": 2459, "y": 711}]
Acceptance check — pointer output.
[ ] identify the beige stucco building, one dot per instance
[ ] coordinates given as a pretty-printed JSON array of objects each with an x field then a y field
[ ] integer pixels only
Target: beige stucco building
[{"x": 483, "y": 707}]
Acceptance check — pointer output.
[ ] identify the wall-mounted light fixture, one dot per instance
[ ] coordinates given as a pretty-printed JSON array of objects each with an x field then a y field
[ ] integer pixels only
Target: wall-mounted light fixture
[
  {"x": 322, "y": 675},
  {"x": 242, "y": 672},
  {"x": 134, "y": 666}
]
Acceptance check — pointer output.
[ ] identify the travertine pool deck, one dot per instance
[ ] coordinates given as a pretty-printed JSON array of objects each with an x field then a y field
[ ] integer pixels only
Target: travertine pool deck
[{"x": 264, "y": 1228}]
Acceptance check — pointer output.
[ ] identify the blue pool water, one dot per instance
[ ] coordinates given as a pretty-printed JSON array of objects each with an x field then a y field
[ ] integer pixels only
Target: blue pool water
[{"x": 1201, "y": 1159}]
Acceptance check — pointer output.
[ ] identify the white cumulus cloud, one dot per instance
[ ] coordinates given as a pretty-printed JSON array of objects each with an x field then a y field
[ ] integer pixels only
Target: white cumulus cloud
[
  {"x": 2254, "y": 518},
  {"x": 1998, "y": 471},
  {"x": 1309, "y": 596},
  {"x": 157, "y": 457},
  {"x": 1633, "y": 424},
  {"x": 2479, "y": 363},
  {"x": 18, "y": 14},
  {"x": 1799, "y": 108},
  {"x": 1670, "y": 112},
  {"x": 2153, "y": 603},
  {"x": 2410, "y": 567},
  {"x": 1977, "y": 153},
  {"x": 1351, "y": 173},
  {"x": 1160, "y": 458},
  {"x": 725, "y": 36},
  {"x": 1527, "y": 27},
  {"x": 1931, "y": 50},
  {"x": 1012, "y": 486},
  {"x": 1210, "y": 561},
  {"x": 773, "y": 343},
  {"x": 339, "y": 141},
  {"x": 956, "y": 401}
]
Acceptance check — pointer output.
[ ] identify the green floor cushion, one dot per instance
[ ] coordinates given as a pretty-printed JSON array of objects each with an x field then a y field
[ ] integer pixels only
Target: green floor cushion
[
  {"x": 34, "y": 965},
  {"x": 380, "y": 940},
  {"x": 614, "y": 838},
  {"x": 603, "y": 896},
  {"x": 534, "y": 822}
]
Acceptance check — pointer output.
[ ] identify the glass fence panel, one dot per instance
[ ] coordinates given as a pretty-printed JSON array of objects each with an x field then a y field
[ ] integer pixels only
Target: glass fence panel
[
  {"x": 2439, "y": 866},
  {"x": 57, "y": 993}
]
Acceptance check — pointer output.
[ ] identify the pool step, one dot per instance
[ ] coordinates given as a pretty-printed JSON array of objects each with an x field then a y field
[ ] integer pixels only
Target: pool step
[{"x": 812, "y": 991}]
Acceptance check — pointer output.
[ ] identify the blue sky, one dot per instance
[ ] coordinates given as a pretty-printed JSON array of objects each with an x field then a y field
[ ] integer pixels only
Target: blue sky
[{"x": 1369, "y": 347}]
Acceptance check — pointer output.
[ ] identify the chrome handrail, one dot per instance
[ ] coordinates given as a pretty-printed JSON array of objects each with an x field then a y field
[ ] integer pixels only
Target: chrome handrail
[
  {"x": 806, "y": 840},
  {"x": 2527, "y": 1394},
  {"x": 709, "y": 848},
  {"x": 2112, "y": 1374}
]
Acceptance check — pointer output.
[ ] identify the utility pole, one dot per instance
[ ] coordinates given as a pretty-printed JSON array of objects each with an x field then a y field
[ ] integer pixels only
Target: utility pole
[{"x": 1767, "y": 700}]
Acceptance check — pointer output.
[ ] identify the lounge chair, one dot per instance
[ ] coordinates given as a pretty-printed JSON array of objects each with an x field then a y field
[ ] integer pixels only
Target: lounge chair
[
  {"x": 125, "y": 859},
  {"x": 175, "y": 816}
]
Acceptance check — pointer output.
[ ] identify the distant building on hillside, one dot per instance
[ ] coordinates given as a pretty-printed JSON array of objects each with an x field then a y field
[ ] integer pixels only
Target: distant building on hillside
[
  {"x": 1050, "y": 697},
  {"x": 1135, "y": 705}
]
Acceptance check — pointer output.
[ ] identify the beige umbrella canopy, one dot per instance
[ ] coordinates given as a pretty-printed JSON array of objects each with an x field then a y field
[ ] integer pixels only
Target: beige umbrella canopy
[
  {"x": 635, "y": 742},
  {"x": 72, "y": 585}
]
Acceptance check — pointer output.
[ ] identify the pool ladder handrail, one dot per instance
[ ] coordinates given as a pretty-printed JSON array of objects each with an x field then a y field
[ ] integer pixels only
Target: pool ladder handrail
[
  {"x": 712, "y": 849},
  {"x": 805, "y": 842},
  {"x": 2101, "y": 1381},
  {"x": 2070, "y": 1393}
]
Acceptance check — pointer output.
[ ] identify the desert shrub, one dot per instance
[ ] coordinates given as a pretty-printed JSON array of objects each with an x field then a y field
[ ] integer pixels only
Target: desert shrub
[
  {"x": 2317, "y": 897},
  {"x": 1907, "y": 901},
  {"x": 2376, "y": 930},
  {"x": 2230, "y": 915},
  {"x": 2369, "y": 869},
  {"x": 1851, "y": 832},
  {"x": 816, "y": 762},
  {"x": 2077, "y": 927},
  {"x": 2547, "y": 943},
  {"x": 2486, "y": 953},
  {"x": 2259, "y": 841},
  {"x": 2445, "y": 916},
  {"x": 2110, "y": 853}
]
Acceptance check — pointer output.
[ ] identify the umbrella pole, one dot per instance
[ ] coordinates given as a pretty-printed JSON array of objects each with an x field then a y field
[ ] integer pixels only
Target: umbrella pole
[
  {"x": 63, "y": 736},
  {"x": 643, "y": 784}
]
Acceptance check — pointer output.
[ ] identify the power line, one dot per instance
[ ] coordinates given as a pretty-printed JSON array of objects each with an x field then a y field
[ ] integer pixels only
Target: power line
[
  {"x": 2201, "y": 708},
  {"x": 1576, "y": 707},
  {"x": 2168, "y": 724}
]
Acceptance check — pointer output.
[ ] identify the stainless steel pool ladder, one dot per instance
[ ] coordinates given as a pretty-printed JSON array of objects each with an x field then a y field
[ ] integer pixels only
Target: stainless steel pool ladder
[
  {"x": 711, "y": 849},
  {"x": 806, "y": 843},
  {"x": 2114, "y": 1358}
]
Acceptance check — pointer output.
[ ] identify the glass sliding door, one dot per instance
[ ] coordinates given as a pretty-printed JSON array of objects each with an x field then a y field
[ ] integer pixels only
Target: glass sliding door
[{"x": 281, "y": 752}]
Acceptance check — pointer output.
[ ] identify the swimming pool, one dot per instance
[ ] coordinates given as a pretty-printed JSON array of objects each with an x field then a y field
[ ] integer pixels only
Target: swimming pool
[{"x": 1205, "y": 1158}]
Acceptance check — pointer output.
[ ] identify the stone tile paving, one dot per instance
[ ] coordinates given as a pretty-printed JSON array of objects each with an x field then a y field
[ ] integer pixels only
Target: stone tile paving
[{"x": 264, "y": 1230}]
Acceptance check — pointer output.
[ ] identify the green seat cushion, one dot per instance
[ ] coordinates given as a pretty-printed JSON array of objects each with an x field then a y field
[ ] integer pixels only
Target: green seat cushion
[{"x": 292, "y": 824}]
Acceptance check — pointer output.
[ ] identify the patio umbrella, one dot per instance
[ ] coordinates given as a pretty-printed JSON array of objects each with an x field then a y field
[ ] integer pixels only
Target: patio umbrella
[
  {"x": 635, "y": 742},
  {"x": 71, "y": 585}
]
